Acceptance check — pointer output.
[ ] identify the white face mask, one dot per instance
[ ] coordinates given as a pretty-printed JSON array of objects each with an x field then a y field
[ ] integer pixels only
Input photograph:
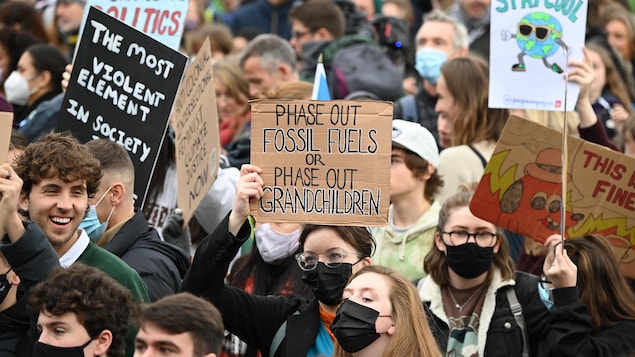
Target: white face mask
[
  {"x": 274, "y": 245},
  {"x": 16, "y": 89}
]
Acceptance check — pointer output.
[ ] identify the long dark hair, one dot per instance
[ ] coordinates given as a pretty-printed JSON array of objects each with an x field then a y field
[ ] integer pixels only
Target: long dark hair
[
  {"x": 603, "y": 288},
  {"x": 269, "y": 279}
]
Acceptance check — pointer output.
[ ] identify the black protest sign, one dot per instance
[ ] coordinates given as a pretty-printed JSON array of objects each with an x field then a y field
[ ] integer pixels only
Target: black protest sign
[{"x": 122, "y": 88}]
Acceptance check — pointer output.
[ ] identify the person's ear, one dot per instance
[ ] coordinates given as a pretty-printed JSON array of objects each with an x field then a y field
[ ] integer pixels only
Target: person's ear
[
  {"x": 499, "y": 238},
  {"x": 13, "y": 278},
  {"x": 462, "y": 52},
  {"x": 322, "y": 34},
  {"x": 117, "y": 193},
  {"x": 438, "y": 240},
  {"x": 23, "y": 202},
  {"x": 44, "y": 78},
  {"x": 391, "y": 330},
  {"x": 366, "y": 261},
  {"x": 104, "y": 340},
  {"x": 430, "y": 170},
  {"x": 285, "y": 71}
]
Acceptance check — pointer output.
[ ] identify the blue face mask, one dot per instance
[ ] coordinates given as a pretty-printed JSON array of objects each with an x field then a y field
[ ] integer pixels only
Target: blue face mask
[
  {"x": 91, "y": 224},
  {"x": 544, "y": 296},
  {"x": 429, "y": 62}
]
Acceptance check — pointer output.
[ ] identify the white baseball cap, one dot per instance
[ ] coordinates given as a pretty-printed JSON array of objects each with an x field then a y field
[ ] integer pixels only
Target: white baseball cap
[{"x": 414, "y": 137}]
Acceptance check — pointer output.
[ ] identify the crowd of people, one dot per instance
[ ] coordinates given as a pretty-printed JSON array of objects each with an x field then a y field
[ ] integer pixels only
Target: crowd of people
[{"x": 84, "y": 272}]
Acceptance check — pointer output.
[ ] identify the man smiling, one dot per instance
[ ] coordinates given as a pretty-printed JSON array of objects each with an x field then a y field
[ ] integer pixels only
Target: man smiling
[{"x": 59, "y": 175}]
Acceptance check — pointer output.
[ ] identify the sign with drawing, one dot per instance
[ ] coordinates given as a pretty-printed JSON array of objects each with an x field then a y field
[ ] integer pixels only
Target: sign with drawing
[{"x": 528, "y": 52}]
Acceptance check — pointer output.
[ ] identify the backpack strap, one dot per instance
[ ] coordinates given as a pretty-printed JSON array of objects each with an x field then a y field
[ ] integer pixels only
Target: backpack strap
[
  {"x": 517, "y": 311},
  {"x": 279, "y": 337},
  {"x": 409, "y": 108},
  {"x": 483, "y": 161}
]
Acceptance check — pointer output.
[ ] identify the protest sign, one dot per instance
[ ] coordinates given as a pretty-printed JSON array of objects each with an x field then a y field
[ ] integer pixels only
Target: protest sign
[
  {"x": 195, "y": 121},
  {"x": 323, "y": 162},
  {"x": 6, "y": 123},
  {"x": 122, "y": 88},
  {"x": 521, "y": 188},
  {"x": 527, "y": 52},
  {"x": 162, "y": 20}
]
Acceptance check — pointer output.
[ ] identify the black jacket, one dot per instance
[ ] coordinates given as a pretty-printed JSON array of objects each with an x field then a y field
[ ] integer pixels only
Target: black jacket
[
  {"x": 571, "y": 331},
  {"x": 503, "y": 336},
  {"x": 161, "y": 265},
  {"x": 254, "y": 319},
  {"x": 32, "y": 259}
]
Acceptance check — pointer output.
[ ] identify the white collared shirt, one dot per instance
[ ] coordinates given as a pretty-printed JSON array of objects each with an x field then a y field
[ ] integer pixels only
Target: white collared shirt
[{"x": 76, "y": 250}]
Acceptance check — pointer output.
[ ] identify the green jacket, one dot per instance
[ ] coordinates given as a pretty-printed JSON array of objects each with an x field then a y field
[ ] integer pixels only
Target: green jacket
[
  {"x": 405, "y": 252},
  {"x": 117, "y": 269}
]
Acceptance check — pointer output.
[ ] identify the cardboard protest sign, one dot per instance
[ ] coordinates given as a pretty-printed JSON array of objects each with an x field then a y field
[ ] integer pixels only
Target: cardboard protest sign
[
  {"x": 122, "y": 88},
  {"x": 162, "y": 20},
  {"x": 324, "y": 162},
  {"x": 195, "y": 121},
  {"x": 527, "y": 52},
  {"x": 6, "y": 123},
  {"x": 521, "y": 188}
]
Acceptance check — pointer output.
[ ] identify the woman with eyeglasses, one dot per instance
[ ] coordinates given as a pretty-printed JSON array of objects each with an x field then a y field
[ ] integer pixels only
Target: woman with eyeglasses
[
  {"x": 592, "y": 310},
  {"x": 381, "y": 315},
  {"x": 279, "y": 326},
  {"x": 473, "y": 296}
]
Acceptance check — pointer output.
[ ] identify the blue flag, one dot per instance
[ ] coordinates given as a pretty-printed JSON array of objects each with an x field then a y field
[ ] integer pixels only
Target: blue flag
[{"x": 320, "y": 85}]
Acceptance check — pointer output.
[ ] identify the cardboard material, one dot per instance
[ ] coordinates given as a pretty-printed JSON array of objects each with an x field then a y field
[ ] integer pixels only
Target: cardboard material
[
  {"x": 122, "y": 88},
  {"x": 323, "y": 162},
  {"x": 521, "y": 188},
  {"x": 162, "y": 20},
  {"x": 195, "y": 121},
  {"x": 6, "y": 123},
  {"x": 527, "y": 52}
]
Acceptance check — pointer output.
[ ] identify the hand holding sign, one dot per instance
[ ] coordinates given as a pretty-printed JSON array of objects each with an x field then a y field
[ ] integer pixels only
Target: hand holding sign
[
  {"x": 249, "y": 189},
  {"x": 558, "y": 267}
]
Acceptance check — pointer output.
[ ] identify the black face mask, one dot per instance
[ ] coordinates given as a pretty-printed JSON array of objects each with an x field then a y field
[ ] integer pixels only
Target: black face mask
[
  {"x": 5, "y": 285},
  {"x": 43, "y": 350},
  {"x": 327, "y": 283},
  {"x": 469, "y": 260},
  {"x": 354, "y": 326}
]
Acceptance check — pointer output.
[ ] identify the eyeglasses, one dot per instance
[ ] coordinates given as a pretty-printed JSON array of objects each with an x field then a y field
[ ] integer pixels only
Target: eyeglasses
[
  {"x": 483, "y": 239},
  {"x": 331, "y": 258},
  {"x": 542, "y": 32}
]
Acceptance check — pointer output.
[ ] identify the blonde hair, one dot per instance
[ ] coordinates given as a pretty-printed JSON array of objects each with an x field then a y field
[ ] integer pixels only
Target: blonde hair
[
  {"x": 290, "y": 90},
  {"x": 230, "y": 74},
  {"x": 412, "y": 334}
]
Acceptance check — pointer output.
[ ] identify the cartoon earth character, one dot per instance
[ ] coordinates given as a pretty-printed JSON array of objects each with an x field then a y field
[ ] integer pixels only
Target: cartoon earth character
[
  {"x": 532, "y": 203},
  {"x": 539, "y": 36}
]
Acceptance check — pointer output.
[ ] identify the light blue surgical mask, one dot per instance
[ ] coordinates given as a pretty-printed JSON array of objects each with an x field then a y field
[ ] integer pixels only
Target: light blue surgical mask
[
  {"x": 91, "y": 224},
  {"x": 544, "y": 296},
  {"x": 429, "y": 62}
]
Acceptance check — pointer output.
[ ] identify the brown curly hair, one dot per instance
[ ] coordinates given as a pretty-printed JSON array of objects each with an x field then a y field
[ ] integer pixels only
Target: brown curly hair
[
  {"x": 58, "y": 155},
  {"x": 98, "y": 301}
]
